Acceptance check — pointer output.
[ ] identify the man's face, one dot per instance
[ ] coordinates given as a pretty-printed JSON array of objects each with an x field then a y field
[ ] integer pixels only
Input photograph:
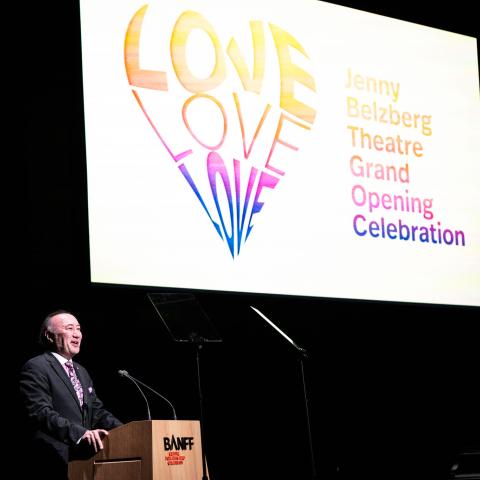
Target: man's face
[{"x": 66, "y": 334}]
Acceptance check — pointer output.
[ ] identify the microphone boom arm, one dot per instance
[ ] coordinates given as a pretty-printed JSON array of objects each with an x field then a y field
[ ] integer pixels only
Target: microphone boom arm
[
  {"x": 124, "y": 373},
  {"x": 161, "y": 396}
]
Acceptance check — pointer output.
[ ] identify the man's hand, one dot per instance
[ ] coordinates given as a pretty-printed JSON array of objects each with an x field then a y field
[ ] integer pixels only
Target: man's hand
[{"x": 94, "y": 438}]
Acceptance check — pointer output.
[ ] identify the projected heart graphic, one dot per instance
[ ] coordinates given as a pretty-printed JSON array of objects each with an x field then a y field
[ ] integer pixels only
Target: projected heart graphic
[{"x": 231, "y": 129}]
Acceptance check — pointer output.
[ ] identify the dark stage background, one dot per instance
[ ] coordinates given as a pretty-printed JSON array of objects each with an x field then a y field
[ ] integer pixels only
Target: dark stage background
[{"x": 393, "y": 388}]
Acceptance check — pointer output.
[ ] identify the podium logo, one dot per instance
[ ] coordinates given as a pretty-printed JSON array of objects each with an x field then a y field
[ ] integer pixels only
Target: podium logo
[
  {"x": 223, "y": 107},
  {"x": 177, "y": 443}
]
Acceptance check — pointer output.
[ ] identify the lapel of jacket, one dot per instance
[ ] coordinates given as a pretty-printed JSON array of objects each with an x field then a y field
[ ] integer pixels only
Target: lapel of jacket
[{"x": 62, "y": 374}]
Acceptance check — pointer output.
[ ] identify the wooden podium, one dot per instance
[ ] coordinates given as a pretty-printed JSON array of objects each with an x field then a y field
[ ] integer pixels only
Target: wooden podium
[{"x": 145, "y": 450}]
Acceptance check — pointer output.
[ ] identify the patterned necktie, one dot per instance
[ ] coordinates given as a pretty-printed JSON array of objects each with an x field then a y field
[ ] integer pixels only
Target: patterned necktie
[{"x": 75, "y": 381}]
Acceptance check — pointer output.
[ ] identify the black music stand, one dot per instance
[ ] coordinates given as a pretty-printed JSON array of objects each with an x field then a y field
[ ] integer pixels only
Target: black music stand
[
  {"x": 302, "y": 354},
  {"x": 187, "y": 322}
]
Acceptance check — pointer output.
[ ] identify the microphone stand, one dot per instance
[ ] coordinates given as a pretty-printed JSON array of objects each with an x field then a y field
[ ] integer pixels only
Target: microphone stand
[
  {"x": 198, "y": 342},
  {"x": 302, "y": 355}
]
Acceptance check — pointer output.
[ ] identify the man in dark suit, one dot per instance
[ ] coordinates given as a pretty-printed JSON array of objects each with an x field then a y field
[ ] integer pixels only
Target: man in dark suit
[{"x": 67, "y": 419}]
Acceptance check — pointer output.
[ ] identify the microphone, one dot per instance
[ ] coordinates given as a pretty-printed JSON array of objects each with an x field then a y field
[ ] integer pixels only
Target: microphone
[{"x": 124, "y": 373}]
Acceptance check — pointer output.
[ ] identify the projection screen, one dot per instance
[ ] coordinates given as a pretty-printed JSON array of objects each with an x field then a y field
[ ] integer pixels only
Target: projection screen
[{"x": 296, "y": 148}]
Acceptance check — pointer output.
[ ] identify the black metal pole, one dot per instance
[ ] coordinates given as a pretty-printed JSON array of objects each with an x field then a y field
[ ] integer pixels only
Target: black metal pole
[
  {"x": 309, "y": 430},
  {"x": 200, "y": 396},
  {"x": 302, "y": 353}
]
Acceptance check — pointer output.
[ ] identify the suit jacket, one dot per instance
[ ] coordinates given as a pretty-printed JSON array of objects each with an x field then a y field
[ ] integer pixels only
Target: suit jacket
[{"x": 54, "y": 412}]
